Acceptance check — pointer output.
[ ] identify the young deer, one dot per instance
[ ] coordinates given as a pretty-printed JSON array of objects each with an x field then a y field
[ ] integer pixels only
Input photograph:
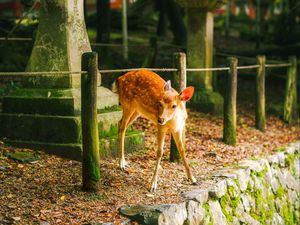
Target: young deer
[{"x": 144, "y": 93}]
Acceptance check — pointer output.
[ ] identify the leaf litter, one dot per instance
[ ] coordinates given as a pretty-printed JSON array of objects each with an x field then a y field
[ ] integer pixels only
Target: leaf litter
[{"x": 48, "y": 191}]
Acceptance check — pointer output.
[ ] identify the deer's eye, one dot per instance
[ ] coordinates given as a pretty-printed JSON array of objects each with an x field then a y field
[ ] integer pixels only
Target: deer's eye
[{"x": 173, "y": 106}]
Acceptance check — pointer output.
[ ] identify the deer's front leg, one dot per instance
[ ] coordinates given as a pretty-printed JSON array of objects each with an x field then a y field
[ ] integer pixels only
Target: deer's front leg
[
  {"x": 178, "y": 137},
  {"x": 160, "y": 139}
]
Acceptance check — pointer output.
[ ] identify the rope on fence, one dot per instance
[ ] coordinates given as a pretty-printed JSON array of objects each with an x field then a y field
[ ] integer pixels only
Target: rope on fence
[
  {"x": 248, "y": 67},
  {"x": 41, "y": 73},
  {"x": 207, "y": 69},
  {"x": 278, "y": 65},
  {"x": 135, "y": 69},
  {"x": 15, "y": 39},
  {"x": 118, "y": 45}
]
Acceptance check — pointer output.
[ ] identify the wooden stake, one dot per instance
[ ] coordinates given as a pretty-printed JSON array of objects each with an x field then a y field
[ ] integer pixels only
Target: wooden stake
[
  {"x": 290, "y": 100},
  {"x": 229, "y": 130},
  {"x": 90, "y": 138},
  {"x": 260, "y": 113}
]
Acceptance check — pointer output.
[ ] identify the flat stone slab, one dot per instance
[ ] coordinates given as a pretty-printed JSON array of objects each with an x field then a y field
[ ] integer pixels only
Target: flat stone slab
[{"x": 25, "y": 157}]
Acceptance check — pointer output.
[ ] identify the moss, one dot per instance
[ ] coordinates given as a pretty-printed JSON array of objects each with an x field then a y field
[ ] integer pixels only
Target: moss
[
  {"x": 280, "y": 193},
  {"x": 290, "y": 162},
  {"x": 207, "y": 214},
  {"x": 280, "y": 149},
  {"x": 207, "y": 102},
  {"x": 230, "y": 191},
  {"x": 264, "y": 206},
  {"x": 224, "y": 201},
  {"x": 287, "y": 213},
  {"x": 109, "y": 109},
  {"x": 23, "y": 156}
]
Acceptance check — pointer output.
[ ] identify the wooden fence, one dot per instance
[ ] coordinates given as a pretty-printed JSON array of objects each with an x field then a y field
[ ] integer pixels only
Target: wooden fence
[{"x": 89, "y": 76}]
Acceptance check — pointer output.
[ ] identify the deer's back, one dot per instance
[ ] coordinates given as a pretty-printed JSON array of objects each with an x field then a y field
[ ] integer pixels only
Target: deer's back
[{"x": 141, "y": 86}]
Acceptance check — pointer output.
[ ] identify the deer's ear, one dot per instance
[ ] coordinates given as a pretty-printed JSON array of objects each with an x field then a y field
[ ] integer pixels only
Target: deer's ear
[
  {"x": 186, "y": 94},
  {"x": 168, "y": 85}
]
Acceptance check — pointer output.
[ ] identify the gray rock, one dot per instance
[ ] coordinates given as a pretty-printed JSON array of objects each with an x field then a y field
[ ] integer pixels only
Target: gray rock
[
  {"x": 175, "y": 214},
  {"x": 274, "y": 185},
  {"x": 254, "y": 165},
  {"x": 235, "y": 221},
  {"x": 258, "y": 185},
  {"x": 233, "y": 189},
  {"x": 199, "y": 195},
  {"x": 249, "y": 220},
  {"x": 297, "y": 167},
  {"x": 287, "y": 180},
  {"x": 292, "y": 195},
  {"x": 217, "y": 215},
  {"x": 166, "y": 214},
  {"x": 273, "y": 159},
  {"x": 44, "y": 223},
  {"x": 277, "y": 219},
  {"x": 290, "y": 150},
  {"x": 195, "y": 213},
  {"x": 296, "y": 145},
  {"x": 243, "y": 177},
  {"x": 219, "y": 189},
  {"x": 239, "y": 209},
  {"x": 246, "y": 202},
  {"x": 227, "y": 173},
  {"x": 281, "y": 158}
]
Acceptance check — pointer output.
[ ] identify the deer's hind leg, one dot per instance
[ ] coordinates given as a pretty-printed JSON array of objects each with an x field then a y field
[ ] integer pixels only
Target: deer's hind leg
[{"x": 128, "y": 117}]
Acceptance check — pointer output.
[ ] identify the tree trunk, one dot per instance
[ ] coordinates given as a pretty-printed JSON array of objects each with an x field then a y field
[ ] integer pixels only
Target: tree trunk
[
  {"x": 103, "y": 21},
  {"x": 200, "y": 47}
]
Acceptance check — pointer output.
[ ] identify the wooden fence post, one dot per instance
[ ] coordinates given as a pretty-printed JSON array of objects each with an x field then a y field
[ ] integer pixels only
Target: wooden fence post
[
  {"x": 290, "y": 100},
  {"x": 179, "y": 83},
  {"x": 260, "y": 113},
  {"x": 229, "y": 130},
  {"x": 90, "y": 138}
]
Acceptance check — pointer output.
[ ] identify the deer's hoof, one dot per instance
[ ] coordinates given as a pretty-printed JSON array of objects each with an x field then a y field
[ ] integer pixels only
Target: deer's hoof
[
  {"x": 123, "y": 164},
  {"x": 194, "y": 181},
  {"x": 153, "y": 187}
]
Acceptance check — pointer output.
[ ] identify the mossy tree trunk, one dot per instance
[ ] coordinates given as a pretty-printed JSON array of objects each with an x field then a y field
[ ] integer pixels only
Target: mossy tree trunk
[
  {"x": 200, "y": 47},
  {"x": 290, "y": 101},
  {"x": 61, "y": 37},
  {"x": 179, "y": 83},
  {"x": 229, "y": 130},
  {"x": 90, "y": 137}
]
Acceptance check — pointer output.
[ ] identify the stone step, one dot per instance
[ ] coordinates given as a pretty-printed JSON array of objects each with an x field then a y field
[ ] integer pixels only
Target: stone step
[
  {"x": 45, "y": 106},
  {"x": 59, "y": 102},
  {"x": 51, "y": 81},
  {"x": 108, "y": 146},
  {"x": 40, "y": 128}
]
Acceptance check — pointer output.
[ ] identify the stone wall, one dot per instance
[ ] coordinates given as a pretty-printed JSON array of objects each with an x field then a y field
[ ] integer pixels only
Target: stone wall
[{"x": 256, "y": 191}]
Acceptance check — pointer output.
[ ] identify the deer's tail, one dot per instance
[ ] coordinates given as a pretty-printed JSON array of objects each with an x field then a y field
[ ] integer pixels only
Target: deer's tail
[{"x": 114, "y": 87}]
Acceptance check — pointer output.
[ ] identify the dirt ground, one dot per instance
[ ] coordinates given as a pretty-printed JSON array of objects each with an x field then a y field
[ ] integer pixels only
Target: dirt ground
[{"x": 49, "y": 190}]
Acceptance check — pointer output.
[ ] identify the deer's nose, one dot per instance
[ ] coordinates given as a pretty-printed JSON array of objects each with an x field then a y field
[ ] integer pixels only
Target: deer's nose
[{"x": 160, "y": 120}]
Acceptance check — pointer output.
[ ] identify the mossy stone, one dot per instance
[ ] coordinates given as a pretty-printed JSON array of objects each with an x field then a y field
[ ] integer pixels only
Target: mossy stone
[
  {"x": 25, "y": 157},
  {"x": 207, "y": 102}
]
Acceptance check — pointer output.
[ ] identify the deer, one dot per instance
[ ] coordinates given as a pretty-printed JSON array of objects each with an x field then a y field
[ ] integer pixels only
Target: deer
[{"x": 144, "y": 93}]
